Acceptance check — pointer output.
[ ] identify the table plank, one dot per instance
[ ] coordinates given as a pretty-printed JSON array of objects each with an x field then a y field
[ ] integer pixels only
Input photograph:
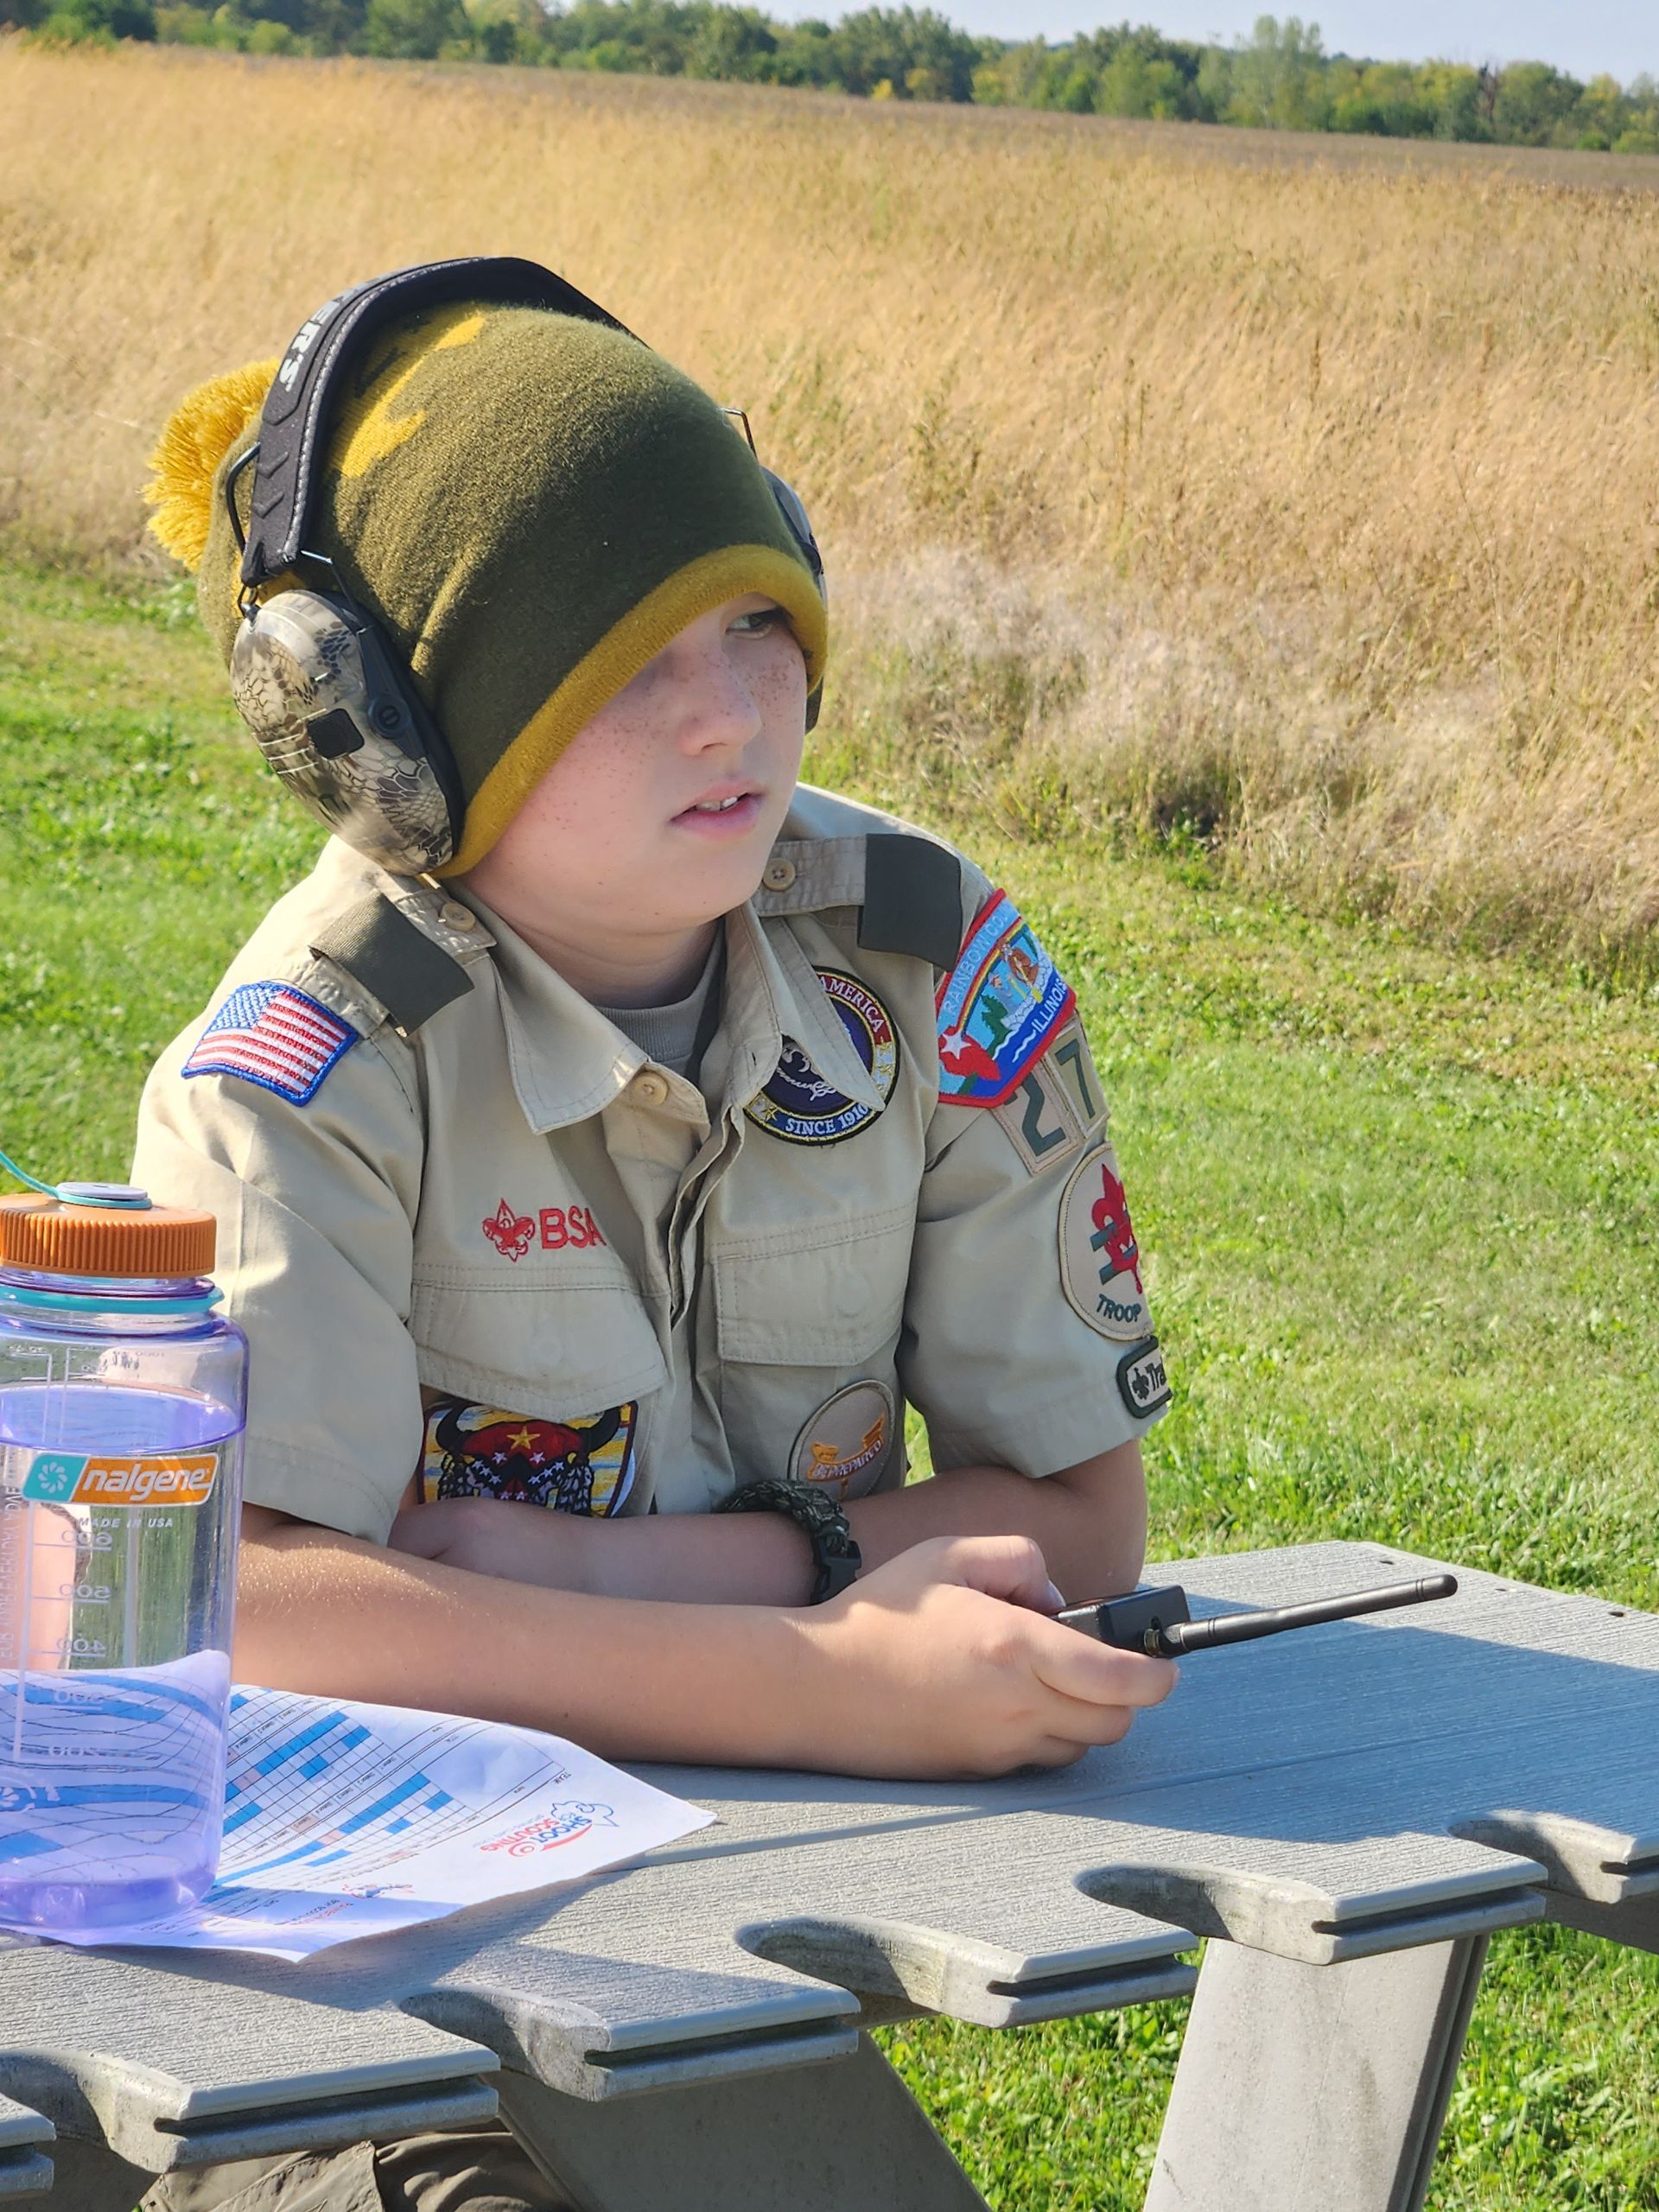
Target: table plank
[{"x": 169, "y": 2070}]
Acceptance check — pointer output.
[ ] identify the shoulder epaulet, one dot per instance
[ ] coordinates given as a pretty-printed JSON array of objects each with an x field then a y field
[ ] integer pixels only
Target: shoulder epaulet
[
  {"x": 395, "y": 961},
  {"x": 912, "y": 898}
]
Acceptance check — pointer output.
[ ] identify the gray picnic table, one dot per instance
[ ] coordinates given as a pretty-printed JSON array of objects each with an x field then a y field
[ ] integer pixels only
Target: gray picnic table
[{"x": 1354, "y": 1809}]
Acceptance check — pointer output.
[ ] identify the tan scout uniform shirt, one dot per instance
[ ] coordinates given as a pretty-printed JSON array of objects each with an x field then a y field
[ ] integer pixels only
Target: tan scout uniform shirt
[{"x": 641, "y": 1290}]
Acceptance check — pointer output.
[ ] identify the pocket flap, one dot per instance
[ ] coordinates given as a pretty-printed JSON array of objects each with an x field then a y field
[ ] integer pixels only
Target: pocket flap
[{"x": 565, "y": 1351}]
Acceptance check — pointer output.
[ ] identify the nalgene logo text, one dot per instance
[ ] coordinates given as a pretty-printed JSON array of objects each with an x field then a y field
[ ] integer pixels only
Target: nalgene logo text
[{"x": 94, "y": 1479}]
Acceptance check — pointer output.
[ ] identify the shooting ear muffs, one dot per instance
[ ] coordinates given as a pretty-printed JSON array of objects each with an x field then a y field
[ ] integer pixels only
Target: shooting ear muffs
[{"x": 328, "y": 701}]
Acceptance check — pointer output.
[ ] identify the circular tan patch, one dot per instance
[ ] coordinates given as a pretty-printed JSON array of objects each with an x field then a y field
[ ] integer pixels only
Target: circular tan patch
[
  {"x": 845, "y": 1445},
  {"x": 1100, "y": 1261}
]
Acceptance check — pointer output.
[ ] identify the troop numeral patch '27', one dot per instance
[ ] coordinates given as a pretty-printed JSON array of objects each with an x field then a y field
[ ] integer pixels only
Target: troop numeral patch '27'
[
  {"x": 998, "y": 1008},
  {"x": 797, "y": 1103}
]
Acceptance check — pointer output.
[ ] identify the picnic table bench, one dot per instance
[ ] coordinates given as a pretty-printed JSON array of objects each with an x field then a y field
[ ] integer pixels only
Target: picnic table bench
[{"x": 1355, "y": 1808}]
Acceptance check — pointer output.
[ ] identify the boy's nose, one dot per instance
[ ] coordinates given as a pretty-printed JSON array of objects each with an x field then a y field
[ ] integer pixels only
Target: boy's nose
[{"x": 720, "y": 709}]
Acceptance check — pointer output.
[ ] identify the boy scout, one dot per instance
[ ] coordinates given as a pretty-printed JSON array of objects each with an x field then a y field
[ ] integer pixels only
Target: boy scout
[{"x": 612, "y": 1137}]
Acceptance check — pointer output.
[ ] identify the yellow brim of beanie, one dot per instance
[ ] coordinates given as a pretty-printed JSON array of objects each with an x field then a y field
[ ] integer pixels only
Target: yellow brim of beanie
[{"x": 701, "y": 585}]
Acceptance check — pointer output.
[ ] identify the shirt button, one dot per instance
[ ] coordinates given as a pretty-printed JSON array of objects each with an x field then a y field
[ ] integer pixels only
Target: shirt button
[
  {"x": 454, "y": 915},
  {"x": 649, "y": 1088},
  {"x": 779, "y": 876}
]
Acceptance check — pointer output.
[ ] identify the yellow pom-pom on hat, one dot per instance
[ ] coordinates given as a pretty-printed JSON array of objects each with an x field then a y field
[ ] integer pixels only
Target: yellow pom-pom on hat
[{"x": 200, "y": 432}]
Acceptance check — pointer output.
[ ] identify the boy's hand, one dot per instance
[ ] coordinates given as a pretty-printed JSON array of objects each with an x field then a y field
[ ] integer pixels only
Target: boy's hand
[
  {"x": 941, "y": 1663},
  {"x": 485, "y": 1536}
]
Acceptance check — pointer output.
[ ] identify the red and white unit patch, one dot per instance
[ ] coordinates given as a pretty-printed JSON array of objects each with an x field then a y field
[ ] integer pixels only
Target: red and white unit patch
[{"x": 276, "y": 1036}]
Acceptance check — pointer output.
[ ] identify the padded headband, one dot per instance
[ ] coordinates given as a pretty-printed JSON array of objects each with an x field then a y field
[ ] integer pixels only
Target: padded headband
[{"x": 294, "y": 418}]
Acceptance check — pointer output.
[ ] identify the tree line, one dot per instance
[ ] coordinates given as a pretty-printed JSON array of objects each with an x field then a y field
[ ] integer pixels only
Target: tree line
[{"x": 1280, "y": 77}]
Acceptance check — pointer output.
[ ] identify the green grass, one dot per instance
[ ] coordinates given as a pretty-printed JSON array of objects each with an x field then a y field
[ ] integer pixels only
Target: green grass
[{"x": 1397, "y": 1204}]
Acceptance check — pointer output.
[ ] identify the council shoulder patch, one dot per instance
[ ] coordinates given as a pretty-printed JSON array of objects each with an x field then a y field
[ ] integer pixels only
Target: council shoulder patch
[
  {"x": 997, "y": 1008},
  {"x": 571, "y": 1466},
  {"x": 276, "y": 1036},
  {"x": 797, "y": 1104},
  {"x": 1100, "y": 1261},
  {"x": 844, "y": 1447}
]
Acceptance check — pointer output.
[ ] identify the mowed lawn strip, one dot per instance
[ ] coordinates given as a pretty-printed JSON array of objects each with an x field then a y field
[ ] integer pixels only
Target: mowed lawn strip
[{"x": 1396, "y": 1209}]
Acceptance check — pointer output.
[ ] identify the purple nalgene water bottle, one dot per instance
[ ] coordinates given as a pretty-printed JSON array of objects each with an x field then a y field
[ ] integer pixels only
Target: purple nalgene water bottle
[{"x": 122, "y": 1405}]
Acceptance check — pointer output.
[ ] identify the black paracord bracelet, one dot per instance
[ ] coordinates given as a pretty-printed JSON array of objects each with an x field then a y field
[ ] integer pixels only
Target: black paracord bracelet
[{"x": 835, "y": 1552}]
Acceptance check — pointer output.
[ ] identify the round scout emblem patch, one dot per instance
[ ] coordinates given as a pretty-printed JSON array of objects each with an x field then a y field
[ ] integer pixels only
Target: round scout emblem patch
[
  {"x": 844, "y": 1447},
  {"x": 574, "y": 1466},
  {"x": 797, "y": 1104},
  {"x": 1100, "y": 1261}
]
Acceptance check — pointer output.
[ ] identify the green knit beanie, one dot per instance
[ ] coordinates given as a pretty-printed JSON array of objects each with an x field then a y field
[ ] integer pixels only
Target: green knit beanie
[{"x": 530, "y": 504}]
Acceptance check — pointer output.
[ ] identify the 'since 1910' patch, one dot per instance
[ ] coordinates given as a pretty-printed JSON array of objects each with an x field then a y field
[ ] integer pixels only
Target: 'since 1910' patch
[
  {"x": 1100, "y": 1261},
  {"x": 571, "y": 1466},
  {"x": 998, "y": 1008},
  {"x": 797, "y": 1104}
]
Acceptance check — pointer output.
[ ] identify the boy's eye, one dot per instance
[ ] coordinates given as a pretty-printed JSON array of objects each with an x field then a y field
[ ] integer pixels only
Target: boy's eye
[{"x": 758, "y": 621}]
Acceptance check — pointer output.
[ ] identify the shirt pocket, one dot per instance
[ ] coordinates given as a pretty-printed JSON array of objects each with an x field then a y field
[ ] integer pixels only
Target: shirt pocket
[
  {"x": 563, "y": 1351},
  {"x": 802, "y": 1316},
  {"x": 818, "y": 1297}
]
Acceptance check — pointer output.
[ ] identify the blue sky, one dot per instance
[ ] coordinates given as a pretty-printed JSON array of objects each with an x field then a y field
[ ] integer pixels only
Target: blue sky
[{"x": 1619, "y": 35}]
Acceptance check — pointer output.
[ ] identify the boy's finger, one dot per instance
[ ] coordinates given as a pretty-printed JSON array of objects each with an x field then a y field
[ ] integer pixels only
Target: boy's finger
[
  {"x": 1010, "y": 1567},
  {"x": 1097, "y": 1673},
  {"x": 1058, "y": 1751}
]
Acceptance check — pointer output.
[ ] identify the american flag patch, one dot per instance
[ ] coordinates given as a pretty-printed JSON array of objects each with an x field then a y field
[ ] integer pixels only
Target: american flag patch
[{"x": 270, "y": 1033}]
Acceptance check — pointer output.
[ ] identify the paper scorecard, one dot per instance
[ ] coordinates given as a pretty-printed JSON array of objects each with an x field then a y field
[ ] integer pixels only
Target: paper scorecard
[{"x": 345, "y": 1820}]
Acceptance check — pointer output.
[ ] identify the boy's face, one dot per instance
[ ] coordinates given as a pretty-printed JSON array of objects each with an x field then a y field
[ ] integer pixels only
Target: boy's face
[{"x": 659, "y": 814}]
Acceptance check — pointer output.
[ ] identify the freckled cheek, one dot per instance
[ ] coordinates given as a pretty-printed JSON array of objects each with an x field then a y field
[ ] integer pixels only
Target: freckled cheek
[
  {"x": 779, "y": 696},
  {"x": 602, "y": 803}
]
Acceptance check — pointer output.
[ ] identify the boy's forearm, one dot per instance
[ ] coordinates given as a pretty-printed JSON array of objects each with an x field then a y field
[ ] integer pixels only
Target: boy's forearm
[
  {"x": 328, "y": 1614},
  {"x": 1090, "y": 1521}
]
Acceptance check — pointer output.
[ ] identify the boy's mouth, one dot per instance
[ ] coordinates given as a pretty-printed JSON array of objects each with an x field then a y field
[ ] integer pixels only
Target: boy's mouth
[{"x": 724, "y": 811}]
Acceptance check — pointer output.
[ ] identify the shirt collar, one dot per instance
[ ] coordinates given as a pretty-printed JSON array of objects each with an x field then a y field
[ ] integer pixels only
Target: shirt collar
[
  {"x": 772, "y": 991},
  {"x": 568, "y": 1061}
]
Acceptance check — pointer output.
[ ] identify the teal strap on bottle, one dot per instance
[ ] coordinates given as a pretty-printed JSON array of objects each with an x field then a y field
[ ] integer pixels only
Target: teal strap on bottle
[
  {"x": 74, "y": 1302},
  {"x": 126, "y": 1196}
]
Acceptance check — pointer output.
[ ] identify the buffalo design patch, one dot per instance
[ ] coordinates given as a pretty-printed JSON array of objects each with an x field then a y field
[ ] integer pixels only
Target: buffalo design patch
[{"x": 571, "y": 1466}]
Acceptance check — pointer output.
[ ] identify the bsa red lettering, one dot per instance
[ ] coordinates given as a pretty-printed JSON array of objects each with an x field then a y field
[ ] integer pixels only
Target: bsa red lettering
[{"x": 569, "y": 1225}]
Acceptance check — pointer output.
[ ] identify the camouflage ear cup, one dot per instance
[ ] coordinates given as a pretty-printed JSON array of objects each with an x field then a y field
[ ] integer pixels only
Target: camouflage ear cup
[
  {"x": 794, "y": 513},
  {"x": 315, "y": 686}
]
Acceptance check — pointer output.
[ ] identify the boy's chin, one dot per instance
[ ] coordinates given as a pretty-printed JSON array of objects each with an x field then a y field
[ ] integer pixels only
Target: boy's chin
[{"x": 705, "y": 883}]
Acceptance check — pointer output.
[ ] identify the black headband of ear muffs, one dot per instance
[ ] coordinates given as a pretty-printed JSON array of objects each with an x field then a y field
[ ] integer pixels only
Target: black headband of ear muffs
[{"x": 294, "y": 421}]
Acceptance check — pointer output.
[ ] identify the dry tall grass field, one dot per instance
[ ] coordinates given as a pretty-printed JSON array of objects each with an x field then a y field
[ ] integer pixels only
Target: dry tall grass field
[{"x": 1308, "y": 507}]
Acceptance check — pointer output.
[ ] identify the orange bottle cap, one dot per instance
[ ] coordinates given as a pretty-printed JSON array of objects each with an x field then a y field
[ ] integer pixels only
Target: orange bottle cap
[{"x": 52, "y": 1238}]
